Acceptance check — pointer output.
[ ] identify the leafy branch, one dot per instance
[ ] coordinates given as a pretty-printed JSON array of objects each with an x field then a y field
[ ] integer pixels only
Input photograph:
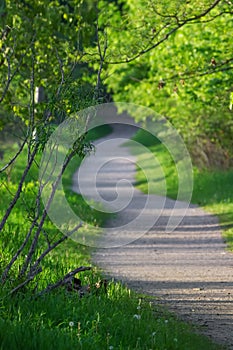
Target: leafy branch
[{"x": 179, "y": 24}]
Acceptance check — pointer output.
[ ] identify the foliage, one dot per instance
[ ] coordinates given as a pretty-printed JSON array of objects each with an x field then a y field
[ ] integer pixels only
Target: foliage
[
  {"x": 49, "y": 56},
  {"x": 188, "y": 78}
]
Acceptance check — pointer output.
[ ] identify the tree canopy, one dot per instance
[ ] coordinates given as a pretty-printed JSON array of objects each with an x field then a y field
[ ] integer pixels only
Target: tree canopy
[{"x": 176, "y": 57}]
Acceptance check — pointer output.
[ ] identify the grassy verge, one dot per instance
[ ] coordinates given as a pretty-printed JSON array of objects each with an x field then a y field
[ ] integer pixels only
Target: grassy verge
[
  {"x": 212, "y": 189},
  {"x": 118, "y": 319}
]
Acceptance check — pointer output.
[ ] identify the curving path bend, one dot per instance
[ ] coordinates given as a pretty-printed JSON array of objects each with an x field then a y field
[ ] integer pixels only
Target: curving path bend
[{"x": 189, "y": 270}]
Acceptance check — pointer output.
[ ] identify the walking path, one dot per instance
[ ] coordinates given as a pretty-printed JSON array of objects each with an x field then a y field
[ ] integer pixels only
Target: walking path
[{"x": 189, "y": 270}]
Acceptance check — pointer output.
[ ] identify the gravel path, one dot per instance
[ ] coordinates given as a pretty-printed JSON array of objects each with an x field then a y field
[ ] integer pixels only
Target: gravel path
[{"x": 189, "y": 270}]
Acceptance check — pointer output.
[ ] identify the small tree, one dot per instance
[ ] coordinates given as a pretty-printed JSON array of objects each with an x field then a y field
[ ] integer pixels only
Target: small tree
[{"x": 44, "y": 77}]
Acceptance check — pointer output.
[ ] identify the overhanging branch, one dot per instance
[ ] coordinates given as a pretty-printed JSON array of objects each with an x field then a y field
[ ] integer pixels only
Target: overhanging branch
[{"x": 179, "y": 24}]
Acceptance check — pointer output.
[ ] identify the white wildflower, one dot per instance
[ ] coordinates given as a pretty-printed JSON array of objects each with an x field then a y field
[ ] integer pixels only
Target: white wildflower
[{"x": 71, "y": 324}]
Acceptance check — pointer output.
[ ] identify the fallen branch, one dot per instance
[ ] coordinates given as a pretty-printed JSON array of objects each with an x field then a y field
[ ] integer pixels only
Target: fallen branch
[{"x": 65, "y": 279}]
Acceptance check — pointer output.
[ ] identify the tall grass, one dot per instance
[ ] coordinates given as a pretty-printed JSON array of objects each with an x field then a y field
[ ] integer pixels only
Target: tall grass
[{"x": 213, "y": 189}]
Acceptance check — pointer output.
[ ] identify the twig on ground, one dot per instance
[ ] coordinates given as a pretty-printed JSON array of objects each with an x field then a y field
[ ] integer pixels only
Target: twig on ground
[{"x": 65, "y": 279}]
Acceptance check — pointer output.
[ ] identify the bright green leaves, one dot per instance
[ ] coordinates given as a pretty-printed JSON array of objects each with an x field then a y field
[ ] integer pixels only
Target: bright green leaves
[
  {"x": 44, "y": 47},
  {"x": 188, "y": 77}
]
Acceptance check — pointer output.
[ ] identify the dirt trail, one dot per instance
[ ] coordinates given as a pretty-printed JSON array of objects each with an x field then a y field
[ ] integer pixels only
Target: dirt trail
[{"x": 189, "y": 270}]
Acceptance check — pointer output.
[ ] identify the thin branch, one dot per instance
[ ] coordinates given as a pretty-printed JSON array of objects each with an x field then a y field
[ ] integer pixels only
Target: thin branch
[
  {"x": 33, "y": 225},
  {"x": 21, "y": 248},
  {"x": 199, "y": 73},
  {"x": 12, "y": 204},
  {"x": 51, "y": 247},
  {"x": 9, "y": 79},
  {"x": 15, "y": 156},
  {"x": 21, "y": 285},
  {"x": 65, "y": 279},
  {"x": 10, "y": 76},
  {"x": 19, "y": 189},
  {"x": 19, "y": 251},
  {"x": 142, "y": 52},
  {"x": 155, "y": 35},
  {"x": 215, "y": 16},
  {"x": 166, "y": 36},
  {"x": 162, "y": 15},
  {"x": 62, "y": 73},
  {"x": 32, "y": 104},
  {"x": 101, "y": 62},
  {"x": 44, "y": 215},
  {"x": 203, "y": 14},
  {"x": 46, "y": 236}
]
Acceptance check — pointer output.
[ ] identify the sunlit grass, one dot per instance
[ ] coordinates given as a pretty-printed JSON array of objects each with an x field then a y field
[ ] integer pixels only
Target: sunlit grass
[
  {"x": 213, "y": 189},
  {"x": 119, "y": 319}
]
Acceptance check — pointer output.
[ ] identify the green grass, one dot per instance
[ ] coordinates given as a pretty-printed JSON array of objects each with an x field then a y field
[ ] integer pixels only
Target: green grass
[
  {"x": 118, "y": 319},
  {"x": 80, "y": 206},
  {"x": 213, "y": 189}
]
